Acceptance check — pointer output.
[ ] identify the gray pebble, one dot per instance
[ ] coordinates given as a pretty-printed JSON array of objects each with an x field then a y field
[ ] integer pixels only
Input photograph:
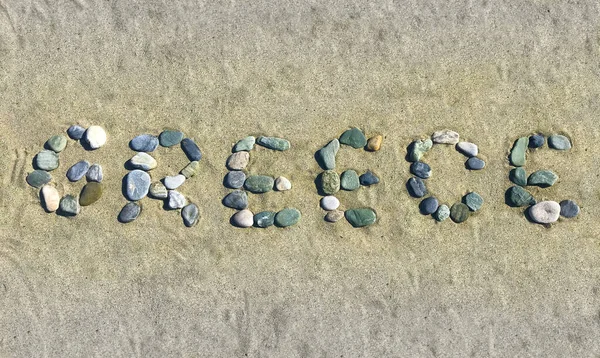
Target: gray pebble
[
  {"x": 473, "y": 200},
  {"x": 536, "y": 141},
  {"x": 420, "y": 169},
  {"x": 144, "y": 143},
  {"x": 76, "y": 132},
  {"x": 429, "y": 205},
  {"x": 57, "y": 143},
  {"x": 542, "y": 178},
  {"x": 190, "y": 148},
  {"x": 130, "y": 212},
  {"x": 569, "y": 209},
  {"x": 38, "y": 178},
  {"x": 326, "y": 155},
  {"x": 190, "y": 215},
  {"x": 445, "y": 136},
  {"x": 274, "y": 143},
  {"x": 95, "y": 173},
  {"x": 259, "y": 184},
  {"x": 191, "y": 169},
  {"x": 467, "y": 148},
  {"x": 169, "y": 138},
  {"x": 46, "y": 160},
  {"x": 244, "y": 145},
  {"x": 235, "y": 179},
  {"x": 69, "y": 205},
  {"x": 349, "y": 180},
  {"x": 78, "y": 170},
  {"x": 368, "y": 179},
  {"x": 176, "y": 200},
  {"x": 545, "y": 212},
  {"x": 237, "y": 199},
  {"x": 475, "y": 163},
  {"x": 442, "y": 213},
  {"x": 559, "y": 142},
  {"x": 353, "y": 137},
  {"x": 174, "y": 182},
  {"x": 264, "y": 219},
  {"x": 334, "y": 216},
  {"x": 416, "y": 187},
  {"x": 137, "y": 184}
]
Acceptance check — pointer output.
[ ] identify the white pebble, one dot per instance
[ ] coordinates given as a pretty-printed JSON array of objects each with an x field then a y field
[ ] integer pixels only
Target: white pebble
[
  {"x": 468, "y": 149},
  {"x": 282, "y": 184},
  {"x": 330, "y": 203},
  {"x": 95, "y": 137},
  {"x": 50, "y": 197},
  {"x": 243, "y": 218},
  {"x": 174, "y": 182},
  {"x": 545, "y": 212},
  {"x": 176, "y": 200},
  {"x": 238, "y": 161},
  {"x": 445, "y": 137},
  {"x": 143, "y": 161}
]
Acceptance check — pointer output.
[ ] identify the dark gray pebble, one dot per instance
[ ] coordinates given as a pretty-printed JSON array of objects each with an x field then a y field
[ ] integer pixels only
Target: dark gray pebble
[
  {"x": 536, "y": 141},
  {"x": 78, "y": 170},
  {"x": 420, "y": 169},
  {"x": 369, "y": 179},
  {"x": 191, "y": 149},
  {"x": 236, "y": 200},
  {"x": 235, "y": 179},
  {"x": 429, "y": 205},
  {"x": 190, "y": 215},
  {"x": 264, "y": 219},
  {"x": 416, "y": 187},
  {"x": 475, "y": 164},
  {"x": 130, "y": 212},
  {"x": 569, "y": 209},
  {"x": 76, "y": 132}
]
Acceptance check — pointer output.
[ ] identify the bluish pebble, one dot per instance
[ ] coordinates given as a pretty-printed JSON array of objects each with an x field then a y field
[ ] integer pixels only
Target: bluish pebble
[
  {"x": 76, "y": 132},
  {"x": 429, "y": 205},
  {"x": 473, "y": 200},
  {"x": 369, "y": 179},
  {"x": 78, "y": 170},
  {"x": 559, "y": 142},
  {"x": 137, "y": 184},
  {"x": 420, "y": 169},
  {"x": 475, "y": 163},
  {"x": 190, "y": 215},
  {"x": 569, "y": 209},
  {"x": 169, "y": 138},
  {"x": 416, "y": 187},
  {"x": 144, "y": 143},
  {"x": 235, "y": 179},
  {"x": 130, "y": 212},
  {"x": 536, "y": 141},
  {"x": 264, "y": 219},
  {"x": 38, "y": 178},
  {"x": 236, "y": 200},
  {"x": 191, "y": 149},
  {"x": 95, "y": 173}
]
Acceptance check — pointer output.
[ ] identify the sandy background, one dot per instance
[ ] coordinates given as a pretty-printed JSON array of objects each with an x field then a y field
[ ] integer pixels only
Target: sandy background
[{"x": 496, "y": 286}]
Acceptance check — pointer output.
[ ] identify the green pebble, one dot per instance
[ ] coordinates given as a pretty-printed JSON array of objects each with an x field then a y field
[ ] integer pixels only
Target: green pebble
[
  {"x": 330, "y": 182},
  {"x": 46, "y": 160},
  {"x": 274, "y": 143},
  {"x": 287, "y": 217},
  {"x": 474, "y": 201},
  {"x": 169, "y": 138},
  {"x": 442, "y": 213},
  {"x": 542, "y": 178},
  {"x": 244, "y": 145},
  {"x": 38, "y": 178},
  {"x": 264, "y": 219},
  {"x": 517, "y": 154},
  {"x": 517, "y": 196},
  {"x": 518, "y": 176},
  {"x": 354, "y": 137},
  {"x": 459, "y": 212},
  {"x": 259, "y": 184},
  {"x": 90, "y": 193},
  {"x": 361, "y": 217},
  {"x": 57, "y": 143},
  {"x": 350, "y": 180},
  {"x": 69, "y": 206},
  {"x": 191, "y": 169},
  {"x": 326, "y": 155},
  {"x": 418, "y": 148}
]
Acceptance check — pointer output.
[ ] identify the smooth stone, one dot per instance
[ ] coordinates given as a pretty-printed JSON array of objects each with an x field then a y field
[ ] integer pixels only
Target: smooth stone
[
  {"x": 545, "y": 212},
  {"x": 416, "y": 187},
  {"x": 76, "y": 132},
  {"x": 429, "y": 205},
  {"x": 158, "y": 190},
  {"x": 95, "y": 137},
  {"x": 368, "y": 179},
  {"x": 264, "y": 219},
  {"x": 190, "y": 148},
  {"x": 191, "y": 169},
  {"x": 329, "y": 203},
  {"x": 326, "y": 155},
  {"x": 334, "y": 216},
  {"x": 569, "y": 209},
  {"x": 442, "y": 213},
  {"x": 374, "y": 143},
  {"x": 144, "y": 143},
  {"x": 236, "y": 200},
  {"x": 517, "y": 196},
  {"x": 78, "y": 170},
  {"x": 361, "y": 217},
  {"x": 174, "y": 182},
  {"x": 57, "y": 143},
  {"x": 349, "y": 180},
  {"x": 473, "y": 200},
  {"x": 287, "y": 217},
  {"x": 445, "y": 136},
  {"x": 518, "y": 176},
  {"x": 130, "y": 212},
  {"x": 536, "y": 141},
  {"x": 238, "y": 161},
  {"x": 475, "y": 163},
  {"x": 420, "y": 169},
  {"x": 259, "y": 184},
  {"x": 46, "y": 160},
  {"x": 143, "y": 161},
  {"x": 169, "y": 138},
  {"x": 190, "y": 215},
  {"x": 354, "y": 137},
  {"x": 274, "y": 143},
  {"x": 90, "y": 193},
  {"x": 69, "y": 205},
  {"x": 467, "y": 148},
  {"x": 418, "y": 148},
  {"x": 244, "y": 145},
  {"x": 176, "y": 200},
  {"x": 330, "y": 182},
  {"x": 542, "y": 178},
  {"x": 37, "y": 178},
  {"x": 282, "y": 184},
  {"x": 459, "y": 212},
  {"x": 517, "y": 153},
  {"x": 95, "y": 173},
  {"x": 243, "y": 218},
  {"x": 235, "y": 179},
  {"x": 559, "y": 142},
  {"x": 137, "y": 184},
  {"x": 50, "y": 198}
]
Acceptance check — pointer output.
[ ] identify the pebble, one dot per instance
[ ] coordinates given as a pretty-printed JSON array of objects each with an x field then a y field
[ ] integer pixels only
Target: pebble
[
  {"x": 76, "y": 132},
  {"x": 536, "y": 141},
  {"x": 282, "y": 184},
  {"x": 158, "y": 190},
  {"x": 169, "y": 138},
  {"x": 78, "y": 170},
  {"x": 429, "y": 205},
  {"x": 95, "y": 137},
  {"x": 442, "y": 213},
  {"x": 264, "y": 219},
  {"x": 46, "y": 160},
  {"x": 236, "y": 200},
  {"x": 354, "y": 137},
  {"x": 330, "y": 182},
  {"x": 50, "y": 198},
  {"x": 475, "y": 163},
  {"x": 361, "y": 217},
  {"x": 130, "y": 212},
  {"x": 90, "y": 194},
  {"x": 95, "y": 173},
  {"x": 190, "y": 148},
  {"x": 274, "y": 143},
  {"x": 235, "y": 179},
  {"x": 445, "y": 136},
  {"x": 243, "y": 218},
  {"x": 144, "y": 143},
  {"x": 416, "y": 187},
  {"x": 57, "y": 143},
  {"x": 559, "y": 142},
  {"x": 334, "y": 216},
  {"x": 259, "y": 184},
  {"x": 420, "y": 169},
  {"x": 190, "y": 215},
  {"x": 329, "y": 203},
  {"x": 143, "y": 161},
  {"x": 137, "y": 184},
  {"x": 349, "y": 180},
  {"x": 518, "y": 176},
  {"x": 244, "y": 145},
  {"x": 542, "y": 178},
  {"x": 369, "y": 178},
  {"x": 326, "y": 155},
  {"x": 174, "y": 182},
  {"x": 176, "y": 200},
  {"x": 517, "y": 154},
  {"x": 238, "y": 161},
  {"x": 467, "y": 148},
  {"x": 418, "y": 148},
  {"x": 374, "y": 143},
  {"x": 545, "y": 212},
  {"x": 69, "y": 206},
  {"x": 191, "y": 169},
  {"x": 459, "y": 212},
  {"x": 473, "y": 200},
  {"x": 37, "y": 178},
  {"x": 517, "y": 196},
  {"x": 569, "y": 209},
  {"x": 287, "y": 217}
]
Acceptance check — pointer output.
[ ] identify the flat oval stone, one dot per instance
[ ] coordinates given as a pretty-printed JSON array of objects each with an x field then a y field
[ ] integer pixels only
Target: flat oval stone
[
  {"x": 158, "y": 190},
  {"x": 467, "y": 148},
  {"x": 46, "y": 160},
  {"x": 287, "y": 217},
  {"x": 518, "y": 176},
  {"x": 420, "y": 169},
  {"x": 143, "y": 161},
  {"x": 37, "y": 178},
  {"x": 274, "y": 143},
  {"x": 57, "y": 143},
  {"x": 326, "y": 155},
  {"x": 473, "y": 200},
  {"x": 334, "y": 216},
  {"x": 237, "y": 199},
  {"x": 50, "y": 198},
  {"x": 138, "y": 184},
  {"x": 130, "y": 212},
  {"x": 542, "y": 178},
  {"x": 330, "y": 182},
  {"x": 259, "y": 184},
  {"x": 517, "y": 154},
  {"x": 264, "y": 219},
  {"x": 176, "y": 200},
  {"x": 76, "y": 132},
  {"x": 475, "y": 163},
  {"x": 353, "y": 137},
  {"x": 174, "y": 182},
  {"x": 374, "y": 143},
  {"x": 144, "y": 143},
  {"x": 69, "y": 206},
  {"x": 416, "y": 187},
  {"x": 238, "y": 161},
  {"x": 169, "y": 138},
  {"x": 569, "y": 209},
  {"x": 459, "y": 212},
  {"x": 95, "y": 137},
  {"x": 235, "y": 179},
  {"x": 369, "y": 178},
  {"x": 536, "y": 141},
  {"x": 90, "y": 193},
  {"x": 95, "y": 173},
  {"x": 282, "y": 184},
  {"x": 442, "y": 213},
  {"x": 243, "y": 218},
  {"x": 361, "y": 217},
  {"x": 517, "y": 196},
  {"x": 78, "y": 170},
  {"x": 191, "y": 169},
  {"x": 329, "y": 203},
  {"x": 190, "y": 215},
  {"x": 445, "y": 136},
  {"x": 545, "y": 212},
  {"x": 559, "y": 142},
  {"x": 349, "y": 180},
  {"x": 429, "y": 206},
  {"x": 190, "y": 148},
  {"x": 418, "y": 148},
  {"x": 244, "y": 145}
]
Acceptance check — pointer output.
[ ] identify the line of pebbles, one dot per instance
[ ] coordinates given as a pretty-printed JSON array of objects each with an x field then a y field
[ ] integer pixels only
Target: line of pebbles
[
  {"x": 545, "y": 212},
  {"x": 138, "y": 182},
  {"x": 330, "y": 182},
  {"x": 47, "y": 160},
  {"x": 471, "y": 202},
  {"x": 237, "y": 179}
]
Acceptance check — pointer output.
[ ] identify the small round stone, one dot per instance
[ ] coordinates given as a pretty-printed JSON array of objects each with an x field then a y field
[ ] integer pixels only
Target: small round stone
[
  {"x": 418, "y": 148},
  {"x": 78, "y": 170},
  {"x": 174, "y": 182},
  {"x": 95, "y": 137},
  {"x": 442, "y": 213},
  {"x": 518, "y": 176},
  {"x": 237, "y": 199},
  {"x": 517, "y": 196},
  {"x": 282, "y": 184},
  {"x": 329, "y": 203},
  {"x": 176, "y": 200},
  {"x": 143, "y": 161},
  {"x": 518, "y": 151},
  {"x": 475, "y": 163},
  {"x": 545, "y": 212},
  {"x": 569, "y": 209},
  {"x": 264, "y": 219},
  {"x": 244, "y": 145},
  {"x": 37, "y": 178},
  {"x": 243, "y": 218},
  {"x": 274, "y": 143},
  {"x": 46, "y": 160},
  {"x": 354, "y": 137},
  {"x": 50, "y": 198},
  {"x": 144, "y": 143},
  {"x": 542, "y": 178},
  {"x": 559, "y": 142},
  {"x": 334, "y": 216},
  {"x": 190, "y": 215},
  {"x": 416, "y": 187},
  {"x": 57, "y": 143},
  {"x": 191, "y": 169},
  {"x": 349, "y": 180},
  {"x": 238, "y": 161},
  {"x": 467, "y": 148},
  {"x": 473, "y": 200},
  {"x": 169, "y": 138},
  {"x": 459, "y": 212},
  {"x": 130, "y": 212},
  {"x": 536, "y": 141},
  {"x": 95, "y": 173},
  {"x": 76, "y": 132},
  {"x": 137, "y": 184},
  {"x": 368, "y": 179},
  {"x": 326, "y": 155},
  {"x": 374, "y": 143},
  {"x": 330, "y": 182},
  {"x": 287, "y": 217},
  {"x": 259, "y": 184},
  {"x": 69, "y": 206},
  {"x": 235, "y": 179},
  {"x": 445, "y": 136},
  {"x": 428, "y": 206},
  {"x": 420, "y": 169},
  {"x": 158, "y": 190},
  {"x": 190, "y": 148},
  {"x": 90, "y": 193},
  {"x": 361, "y": 217}
]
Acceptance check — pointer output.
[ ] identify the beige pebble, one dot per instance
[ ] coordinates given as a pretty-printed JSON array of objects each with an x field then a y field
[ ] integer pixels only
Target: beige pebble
[
  {"x": 374, "y": 143},
  {"x": 282, "y": 184},
  {"x": 445, "y": 136},
  {"x": 243, "y": 218},
  {"x": 50, "y": 198},
  {"x": 334, "y": 216},
  {"x": 238, "y": 161}
]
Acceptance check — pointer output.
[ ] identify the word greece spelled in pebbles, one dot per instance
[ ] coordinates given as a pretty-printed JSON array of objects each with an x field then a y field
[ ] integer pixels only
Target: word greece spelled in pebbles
[
  {"x": 282, "y": 184},
  {"x": 474, "y": 201},
  {"x": 76, "y": 132},
  {"x": 57, "y": 143},
  {"x": 445, "y": 136},
  {"x": 176, "y": 200},
  {"x": 243, "y": 218},
  {"x": 330, "y": 203},
  {"x": 517, "y": 154},
  {"x": 190, "y": 148},
  {"x": 191, "y": 169},
  {"x": 274, "y": 143},
  {"x": 50, "y": 198},
  {"x": 144, "y": 143},
  {"x": 420, "y": 169},
  {"x": 158, "y": 190},
  {"x": 334, "y": 216},
  {"x": 287, "y": 217},
  {"x": 244, "y": 145},
  {"x": 416, "y": 187},
  {"x": 95, "y": 137},
  {"x": 137, "y": 184},
  {"x": 536, "y": 141},
  {"x": 517, "y": 196},
  {"x": 545, "y": 212},
  {"x": 569, "y": 209},
  {"x": 459, "y": 212},
  {"x": 353, "y": 137},
  {"x": 37, "y": 178},
  {"x": 69, "y": 205},
  {"x": 518, "y": 176},
  {"x": 143, "y": 161},
  {"x": 130, "y": 212},
  {"x": 237, "y": 199},
  {"x": 361, "y": 217},
  {"x": 429, "y": 205},
  {"x": 238, "y": 161},
  {"x": 46, "y": 160},
  {"x": 475, "y": 163},
  {"x": 542, "y": 178},
  {"x": 442, "y": 213},
  {"x": 95, "y": 173},
  {"x": 418, "y": 148},
  {"x": 349, "y": 180},
  {"x": 174, "y": 182},
  {"x": 374, "y": 143},
  {"x": 259, "y": 184},
  {"x": 330, "y": 182},
  {"x": 264, "y": 219},
  {"x": 369, "y": 178},
  {"x": 169, "y": 138},
  {"x": 559, "y": 142},
  {"x": 190, "y": 215},
  {"x": 78, "y": 170},
  {"x": 467, "y": 148},
  {"x": 326, "y": 155},
  {"x": 235, "y": 179},
  {"x": 90, "y": 194}
]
